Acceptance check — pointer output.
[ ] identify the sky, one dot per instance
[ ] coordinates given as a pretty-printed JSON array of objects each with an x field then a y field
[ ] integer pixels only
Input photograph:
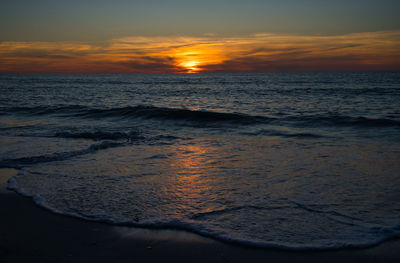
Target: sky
[{"x": 155, "y": 36}]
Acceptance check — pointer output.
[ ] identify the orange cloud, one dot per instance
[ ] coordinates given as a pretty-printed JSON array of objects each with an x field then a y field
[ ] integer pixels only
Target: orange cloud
[{"x": 260, "y": 53}]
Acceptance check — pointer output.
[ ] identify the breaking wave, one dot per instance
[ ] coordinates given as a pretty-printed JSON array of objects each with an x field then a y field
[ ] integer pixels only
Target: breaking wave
[
  {"x": 198, "y": 117},
  {"x": 58, "y": 156}
]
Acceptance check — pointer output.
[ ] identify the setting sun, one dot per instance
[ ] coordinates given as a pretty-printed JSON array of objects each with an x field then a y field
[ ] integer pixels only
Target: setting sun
[
  {"x": 190, "y": 66},
  {"x": 195, "y": 54}
]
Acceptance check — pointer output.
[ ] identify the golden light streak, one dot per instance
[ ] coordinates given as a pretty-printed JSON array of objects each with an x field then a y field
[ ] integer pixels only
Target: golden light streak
[{"x": 190, "y": 165}]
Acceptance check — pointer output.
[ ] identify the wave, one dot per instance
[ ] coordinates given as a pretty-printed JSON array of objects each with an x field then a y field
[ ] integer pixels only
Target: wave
[
  {"x": 109, "y": 140},
  {"x": 236, "y": 208},
  {"x": 340, "y": 120},
  {"x": 127, "y": 137},
  {"x": 58, "y": 156},
  {"x": 144, "y": 112},
  {"x": 42, "y": 110},
  {"x": 383, "y": 233},
  {"x": 201, "y": 117},
  {"x": 174, "y": 114},
  {"x": 300, "y": 135},
  {"x": 100, "y": 135}
]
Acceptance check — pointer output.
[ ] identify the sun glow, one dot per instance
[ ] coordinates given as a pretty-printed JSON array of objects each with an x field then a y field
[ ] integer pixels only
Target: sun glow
[
  {"x": 190, "y": 65},
  {"x": 255, "y": 53},
  {"x": 194, "y": 56}
]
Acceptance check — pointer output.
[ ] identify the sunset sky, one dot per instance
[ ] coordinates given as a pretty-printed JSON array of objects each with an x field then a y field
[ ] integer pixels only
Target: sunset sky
[{"x": 121, "y": 36}]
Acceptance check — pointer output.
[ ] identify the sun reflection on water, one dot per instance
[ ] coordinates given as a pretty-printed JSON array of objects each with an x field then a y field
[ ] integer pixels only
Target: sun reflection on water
[{"x": 191, "y": 182}]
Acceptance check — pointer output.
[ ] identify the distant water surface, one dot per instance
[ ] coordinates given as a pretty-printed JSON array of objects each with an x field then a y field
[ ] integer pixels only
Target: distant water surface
[{"x": 290, "y": 160}]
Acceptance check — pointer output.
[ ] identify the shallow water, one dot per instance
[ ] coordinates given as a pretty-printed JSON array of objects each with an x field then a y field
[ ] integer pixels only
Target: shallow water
[{"x": 292, "y": 160}]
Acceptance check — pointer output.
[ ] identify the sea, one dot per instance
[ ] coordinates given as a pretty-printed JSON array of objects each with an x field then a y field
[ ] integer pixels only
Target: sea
[{"x": 300, "y": 161}]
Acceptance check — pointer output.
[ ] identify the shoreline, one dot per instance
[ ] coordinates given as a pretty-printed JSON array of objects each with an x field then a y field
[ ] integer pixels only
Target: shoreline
[{"x": 31, "y": 233}]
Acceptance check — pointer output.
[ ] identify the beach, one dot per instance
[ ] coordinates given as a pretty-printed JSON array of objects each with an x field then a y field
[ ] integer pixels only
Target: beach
[
  {"x": 200, "y": 131},
  {"x": 31, "y": 234}
]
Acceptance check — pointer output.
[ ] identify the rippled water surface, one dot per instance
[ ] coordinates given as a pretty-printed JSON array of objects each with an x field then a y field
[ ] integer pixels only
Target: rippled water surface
[{"x": 292, "y": 160}]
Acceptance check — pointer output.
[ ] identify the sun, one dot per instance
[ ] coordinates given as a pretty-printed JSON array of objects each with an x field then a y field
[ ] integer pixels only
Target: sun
[
  {"x": 193, "y": 58},
  {"x": 191, "y": 66}
]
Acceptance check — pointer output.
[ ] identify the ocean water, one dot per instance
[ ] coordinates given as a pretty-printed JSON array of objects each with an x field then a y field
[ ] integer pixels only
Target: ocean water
[{"x": 288, "y": 160}]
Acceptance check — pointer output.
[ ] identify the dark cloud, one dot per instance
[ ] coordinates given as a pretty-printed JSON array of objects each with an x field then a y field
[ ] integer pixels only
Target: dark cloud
[
  {"x": 344, "y": 46},
  {"x": 151, "y": 65},
  {"x": 289, "y": 63}
]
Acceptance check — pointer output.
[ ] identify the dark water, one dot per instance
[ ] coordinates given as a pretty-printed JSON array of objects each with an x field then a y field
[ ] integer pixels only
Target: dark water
[{"x": 293, "y": 160}]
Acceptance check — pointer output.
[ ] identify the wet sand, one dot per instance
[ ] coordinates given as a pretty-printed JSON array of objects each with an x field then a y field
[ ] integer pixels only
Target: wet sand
[{"x": 29, "y": 233}]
